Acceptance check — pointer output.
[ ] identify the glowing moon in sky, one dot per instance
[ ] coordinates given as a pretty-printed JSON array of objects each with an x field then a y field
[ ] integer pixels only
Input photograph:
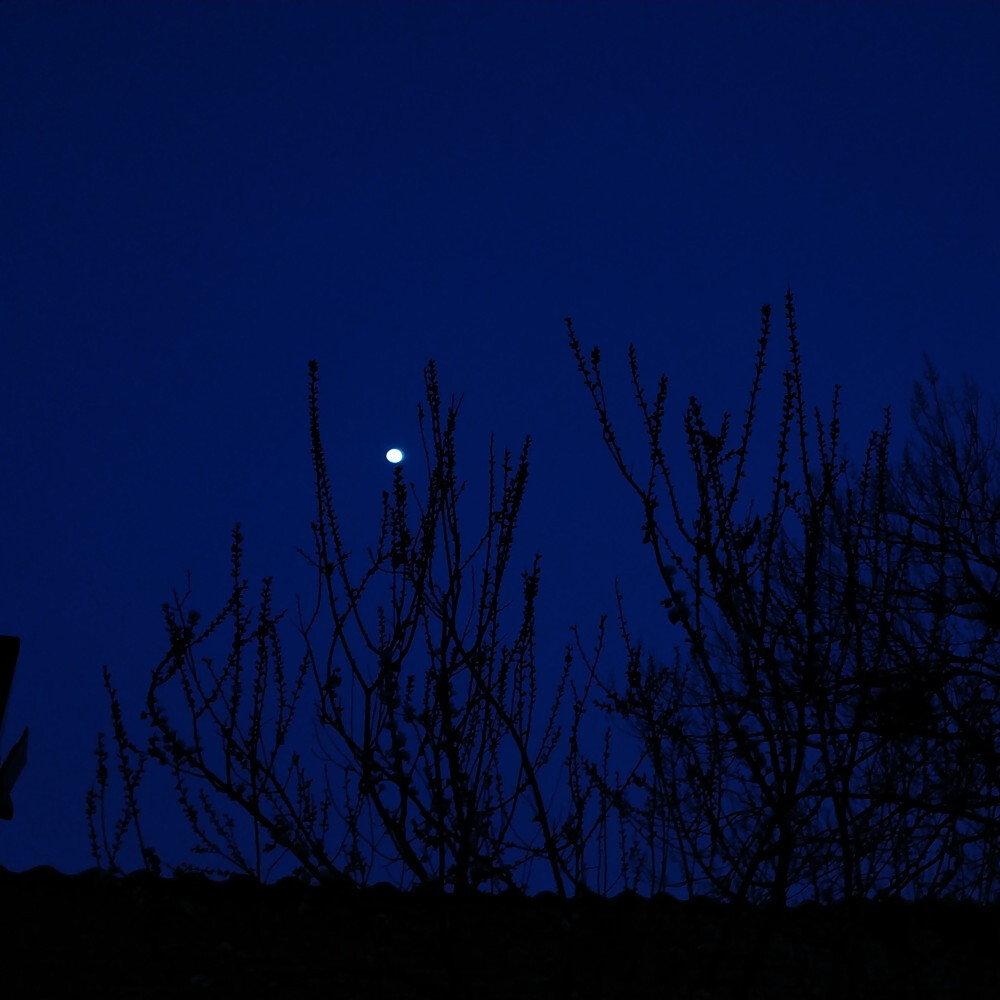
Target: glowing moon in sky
[{"x": 394, "y": 455}]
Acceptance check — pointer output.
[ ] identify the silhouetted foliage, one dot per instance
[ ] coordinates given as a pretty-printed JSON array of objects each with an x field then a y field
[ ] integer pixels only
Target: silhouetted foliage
[
  {"x": 828, "y": 727},
  {"x": 825, "y": 729},
  {"x": 426, "y": 719}
]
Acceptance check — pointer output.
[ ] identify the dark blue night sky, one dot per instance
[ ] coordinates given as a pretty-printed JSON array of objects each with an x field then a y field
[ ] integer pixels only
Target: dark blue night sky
[{"x": 197, "y": 199}]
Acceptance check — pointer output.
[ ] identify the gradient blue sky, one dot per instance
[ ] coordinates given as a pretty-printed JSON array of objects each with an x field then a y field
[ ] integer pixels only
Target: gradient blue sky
[{"x": 196, "y": 199}]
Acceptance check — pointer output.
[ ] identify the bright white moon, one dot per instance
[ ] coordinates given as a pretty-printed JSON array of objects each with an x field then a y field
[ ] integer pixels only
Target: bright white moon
[{"x": 394, "y": 455}]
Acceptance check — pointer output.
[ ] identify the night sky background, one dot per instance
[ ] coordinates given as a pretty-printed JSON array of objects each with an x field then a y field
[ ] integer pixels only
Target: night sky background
[{"x": 196, "y": 199}]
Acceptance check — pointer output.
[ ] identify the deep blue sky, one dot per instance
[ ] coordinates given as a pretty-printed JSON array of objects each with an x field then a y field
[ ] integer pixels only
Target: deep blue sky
[{"x": 197, "y": 199}]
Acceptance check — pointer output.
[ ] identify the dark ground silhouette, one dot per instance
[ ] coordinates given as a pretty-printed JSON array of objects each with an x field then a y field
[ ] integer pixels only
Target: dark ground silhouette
[{"x": 141, "y": 936}]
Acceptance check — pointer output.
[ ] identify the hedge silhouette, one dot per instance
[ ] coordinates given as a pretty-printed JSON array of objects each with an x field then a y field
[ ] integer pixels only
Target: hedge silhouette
[{"x": 825, "y": 728}]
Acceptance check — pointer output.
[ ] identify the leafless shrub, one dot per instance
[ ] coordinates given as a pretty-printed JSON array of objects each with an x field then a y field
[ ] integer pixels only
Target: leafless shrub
[
  {"x": 826, "y": 728},
  {"x": 939, "y": 708},
  {"x": 442, "y": 764},
  {"x": 817, "y": 698},
  {"x": 427, "y": 729}
]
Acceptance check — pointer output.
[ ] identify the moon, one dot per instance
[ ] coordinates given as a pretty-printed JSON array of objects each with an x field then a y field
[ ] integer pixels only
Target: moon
[{"x": 394, "y": 455}]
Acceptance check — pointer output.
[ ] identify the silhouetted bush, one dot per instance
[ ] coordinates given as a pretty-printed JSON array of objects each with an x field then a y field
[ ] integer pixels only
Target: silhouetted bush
[
  {"x": 828, "y": 726},
  {"x": 825, "y": 729},
  {"x": 426, "y": 716}
]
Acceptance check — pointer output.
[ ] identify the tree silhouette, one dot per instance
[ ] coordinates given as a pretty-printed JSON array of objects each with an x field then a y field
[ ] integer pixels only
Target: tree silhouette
[
  {"x": 943, "y": 510},
  {"x": 825, "y": 729},
  {"x": 432, "y": 743}
]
